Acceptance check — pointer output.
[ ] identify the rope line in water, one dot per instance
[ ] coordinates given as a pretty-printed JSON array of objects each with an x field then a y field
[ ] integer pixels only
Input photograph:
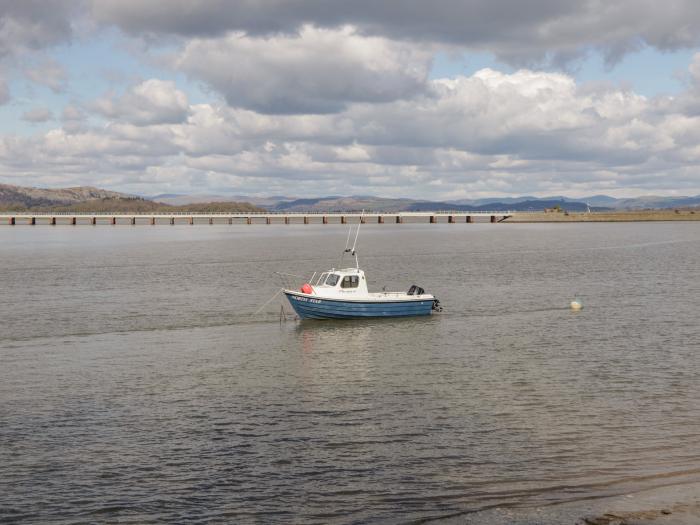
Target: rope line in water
[{"x": 267, "y": 302}]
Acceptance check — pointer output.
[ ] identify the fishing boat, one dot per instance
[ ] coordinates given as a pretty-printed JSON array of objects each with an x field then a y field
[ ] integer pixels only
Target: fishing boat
[{"x": 343, "y": 294}]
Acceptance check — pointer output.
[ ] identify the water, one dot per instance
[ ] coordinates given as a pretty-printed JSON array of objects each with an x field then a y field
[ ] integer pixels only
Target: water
[{"x": 135, "y": 386}]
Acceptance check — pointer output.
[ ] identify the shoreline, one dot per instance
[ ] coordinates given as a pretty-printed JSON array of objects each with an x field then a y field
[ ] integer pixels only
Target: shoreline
[
  {"x": 618, "y": 216},
  {"x": 675, "y": 504}
]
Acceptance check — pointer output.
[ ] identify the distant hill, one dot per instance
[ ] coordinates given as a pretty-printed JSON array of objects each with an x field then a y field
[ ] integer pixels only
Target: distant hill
[
  {"x": 19, "y": 196},
  {"x": 88, "y": 199},
  {"x": 655, "y": 202},
  {"x": 372, "y": 204},
  {"x": 139, "y": 205},
  {"x": 175, "y": 199},
  {"x": 528, "y": 205},
  {"x": 344, "y": 204}
]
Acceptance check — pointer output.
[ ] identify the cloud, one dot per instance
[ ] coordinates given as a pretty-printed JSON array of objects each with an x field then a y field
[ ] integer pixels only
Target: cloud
[
  {"x": 48, "y": 73},
  {"x": 316, "y": 71},
  {"x": 32, "y": 24},
  {"x": 150, "y": 102},
  {"x": 37, "y": 115},
  {"x": 521, "y": 33},
  {"x": 487, "y": 133},
  {"x": 72, "y": 113},
  {"x": 73, "y": 119},
  {"x": 337, "y": 97},
  {"x": 4, "y": 92}
]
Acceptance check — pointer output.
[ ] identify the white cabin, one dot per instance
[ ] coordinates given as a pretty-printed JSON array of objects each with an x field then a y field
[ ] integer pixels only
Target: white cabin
[{"x": 346, "y": 282}]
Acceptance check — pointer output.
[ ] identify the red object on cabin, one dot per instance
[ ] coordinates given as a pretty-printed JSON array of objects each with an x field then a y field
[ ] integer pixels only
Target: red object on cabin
[{"x": 306, "y": 288}]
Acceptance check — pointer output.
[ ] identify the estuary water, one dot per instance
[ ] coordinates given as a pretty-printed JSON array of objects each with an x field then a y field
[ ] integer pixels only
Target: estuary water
[{"x": 137, "y": 386}]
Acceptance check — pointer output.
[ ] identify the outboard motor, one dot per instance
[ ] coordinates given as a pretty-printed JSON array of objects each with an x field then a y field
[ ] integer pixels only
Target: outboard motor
[{"x": 436, "y": 305}]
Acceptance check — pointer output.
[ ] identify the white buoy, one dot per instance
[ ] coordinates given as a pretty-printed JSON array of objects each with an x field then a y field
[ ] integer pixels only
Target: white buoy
[{"x": 576, "y": 304}]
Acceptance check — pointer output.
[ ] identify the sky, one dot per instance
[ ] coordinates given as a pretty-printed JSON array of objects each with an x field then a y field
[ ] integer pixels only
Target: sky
[{"x": 396, "y": 98}]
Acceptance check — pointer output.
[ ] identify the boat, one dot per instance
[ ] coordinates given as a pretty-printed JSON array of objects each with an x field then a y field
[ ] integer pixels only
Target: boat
[{"x": 343, "y": 294}]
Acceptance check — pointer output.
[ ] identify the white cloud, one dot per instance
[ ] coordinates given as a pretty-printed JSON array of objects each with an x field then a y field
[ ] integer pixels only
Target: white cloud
[
  {"x": 72, "y": 113},
  {"x": 150, "y": 102},
  {"x": 338, "y": 99},
  {"x": 523, "y": 132},
  {"x": 37, "y": 115},
  {"x": 48, "y": 73},
  {"x": 316, "y": 71}
]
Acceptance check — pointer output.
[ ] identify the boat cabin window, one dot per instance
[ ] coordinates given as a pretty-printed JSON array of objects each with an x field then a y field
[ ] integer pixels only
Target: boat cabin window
[
  {"x": 350, "y": 281},
  {"x": 332, "y": 279}
]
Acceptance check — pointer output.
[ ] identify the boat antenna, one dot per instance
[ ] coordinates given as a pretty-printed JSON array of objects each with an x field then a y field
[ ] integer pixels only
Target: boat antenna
[
  {"x": 354, "y": 244},
  {"x": 347, "y": 245},
  {"x": 347, "y": 241}
]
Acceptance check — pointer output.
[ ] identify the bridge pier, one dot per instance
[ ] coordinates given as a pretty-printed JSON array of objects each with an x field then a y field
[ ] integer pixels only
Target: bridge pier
[
  {"x": 325, "y": 220},
  {"x": 306, "y": 220},
  {"x": 286, "y": 220},
  {"x": 114, "y": 221},
  {"x": 433, "y": 219},
  {"x": 74, "y": 221},
  {"x": 211, "y": 221},
  {"x": 380, "y": 219},
  {"x": 133, "y": 221},
  {"x": 32, "y": 221},
  {"x": 450, "y": 219},
  {"x": 399, "y": 219},
  {"x": 53, "y": 221},
  {"x": 469, "y": 219},
  {"x": 343, "y": 220},
  {"x": 153, "y": 221},
  {"x": 191, "y": 221},
  {"x": 94, "y": 221},
  {"x": 172, "y": 221},
  {"x": 493, "y": 219},
  {"x": 249, "y": 220},
  {"x": 268, "y": 220}
]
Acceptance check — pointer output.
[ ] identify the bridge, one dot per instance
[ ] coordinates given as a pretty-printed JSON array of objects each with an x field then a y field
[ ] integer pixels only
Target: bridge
[{"x": 172, "y": 218}]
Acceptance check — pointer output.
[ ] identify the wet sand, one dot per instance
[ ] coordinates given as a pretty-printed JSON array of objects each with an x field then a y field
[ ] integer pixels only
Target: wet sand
[
  {"x": 615, "y": 216},
  {"x": 670, "y": 505}
]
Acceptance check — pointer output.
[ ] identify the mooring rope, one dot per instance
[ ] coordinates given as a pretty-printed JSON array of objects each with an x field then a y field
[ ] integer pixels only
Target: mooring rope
[{"x": 267, "y": 302}]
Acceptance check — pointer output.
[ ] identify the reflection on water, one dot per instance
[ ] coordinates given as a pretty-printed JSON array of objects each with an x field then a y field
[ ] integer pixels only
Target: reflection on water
[{"x": 135, "y": 385}]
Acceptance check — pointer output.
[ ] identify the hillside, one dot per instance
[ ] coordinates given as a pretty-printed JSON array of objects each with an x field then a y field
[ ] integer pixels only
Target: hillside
[
  {"x": 371, "y": 204},
  {"x": 139, "y": 205},
  {"x": 88, "y": 199},
  {"x": 23, "y": 197}
]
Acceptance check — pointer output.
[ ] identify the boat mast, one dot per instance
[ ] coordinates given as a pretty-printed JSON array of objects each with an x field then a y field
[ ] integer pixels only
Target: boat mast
[{"x": 354, "y": 244}]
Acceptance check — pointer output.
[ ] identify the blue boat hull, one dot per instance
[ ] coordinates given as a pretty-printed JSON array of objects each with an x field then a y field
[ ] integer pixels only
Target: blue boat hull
[{"x": 310, "y": 307}]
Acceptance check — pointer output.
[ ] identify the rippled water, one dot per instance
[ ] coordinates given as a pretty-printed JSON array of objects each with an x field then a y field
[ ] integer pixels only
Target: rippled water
[{"x": 136, "y": 386}]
